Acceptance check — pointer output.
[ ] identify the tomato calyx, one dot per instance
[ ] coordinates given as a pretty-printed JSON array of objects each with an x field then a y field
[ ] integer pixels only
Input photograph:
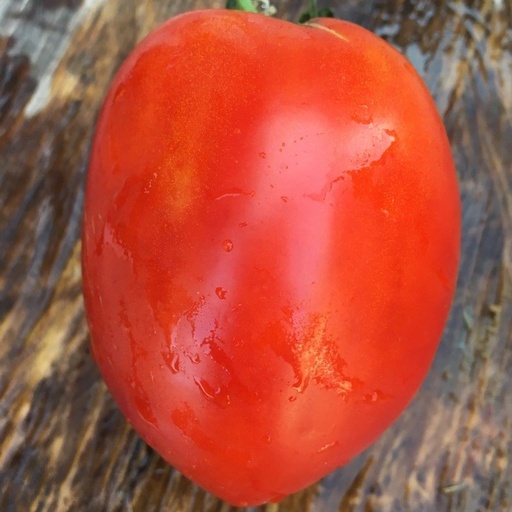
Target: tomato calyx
[
  {"x": 255, "y": 6},
  {"x": 241, "y": 5},
  {"x": 314, "y": 12},
  {"x": 266, "y": 8}
]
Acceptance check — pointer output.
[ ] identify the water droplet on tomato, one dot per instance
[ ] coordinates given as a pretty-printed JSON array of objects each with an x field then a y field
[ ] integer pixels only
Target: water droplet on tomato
[
  {"x": 227, "y": 245},
  {"x": 217, "y": 395},
  {"x": 175, "y": 364},
  {"x": 302, "y": 383},
  {"x": 172, "y": 361},
  {"x": 375, "y": 396},
  {"x": 234, "y": 192},
  {"x": 194, "y": 358},
  {"x": 204, "y": 387},
  {"x": 143, "y": 407},
  {"x": 327, "y": 446},
  {"x": 221, "y": 292}
]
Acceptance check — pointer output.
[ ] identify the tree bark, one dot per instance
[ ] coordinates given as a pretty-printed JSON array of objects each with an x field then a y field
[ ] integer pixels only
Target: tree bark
[{"x": 64, "y": 445}]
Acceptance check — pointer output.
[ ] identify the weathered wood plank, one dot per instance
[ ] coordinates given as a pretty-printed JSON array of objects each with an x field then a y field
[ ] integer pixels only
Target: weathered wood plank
[{"x": 63, "y": 443}]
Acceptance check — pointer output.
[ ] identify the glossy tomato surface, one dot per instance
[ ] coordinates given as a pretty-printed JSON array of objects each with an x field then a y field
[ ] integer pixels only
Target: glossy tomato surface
[{"x": 270, "y": 245}]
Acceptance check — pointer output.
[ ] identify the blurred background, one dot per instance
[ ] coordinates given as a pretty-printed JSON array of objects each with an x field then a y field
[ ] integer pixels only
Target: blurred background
[{"x": 64, "y": 446}]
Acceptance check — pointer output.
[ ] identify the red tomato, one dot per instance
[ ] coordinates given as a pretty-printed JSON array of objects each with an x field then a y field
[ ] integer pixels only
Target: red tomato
[{"x": 270, "y": 246}]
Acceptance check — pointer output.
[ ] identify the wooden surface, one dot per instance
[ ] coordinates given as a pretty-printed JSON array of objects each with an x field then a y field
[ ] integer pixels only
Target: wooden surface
[{"x": 63, "y": 443}]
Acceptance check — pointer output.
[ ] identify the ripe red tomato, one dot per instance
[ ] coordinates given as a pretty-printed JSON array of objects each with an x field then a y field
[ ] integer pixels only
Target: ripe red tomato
[{"x": 270, "y": 245}]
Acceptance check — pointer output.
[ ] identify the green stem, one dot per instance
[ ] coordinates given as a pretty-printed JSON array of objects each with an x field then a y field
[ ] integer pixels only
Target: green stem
[
  {"x": 241, "y": 5},
  {"x": 314, "y": 12},
  {"x": 313, "y": 8}
]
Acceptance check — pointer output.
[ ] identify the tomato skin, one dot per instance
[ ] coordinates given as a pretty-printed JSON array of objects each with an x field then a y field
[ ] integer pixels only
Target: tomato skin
[{"x": 270, "y": 246}]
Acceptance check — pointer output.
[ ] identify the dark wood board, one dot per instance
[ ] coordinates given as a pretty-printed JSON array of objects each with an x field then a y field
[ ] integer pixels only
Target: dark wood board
[{"x": 64, "y": 446}]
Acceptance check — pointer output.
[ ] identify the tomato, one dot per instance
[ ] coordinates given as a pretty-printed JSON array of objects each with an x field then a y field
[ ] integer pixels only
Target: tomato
[{"x": 270, "y": 246}]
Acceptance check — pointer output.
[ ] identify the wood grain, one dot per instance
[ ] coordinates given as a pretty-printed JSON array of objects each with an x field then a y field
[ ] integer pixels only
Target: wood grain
[{"x": 64, "y": 446}]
